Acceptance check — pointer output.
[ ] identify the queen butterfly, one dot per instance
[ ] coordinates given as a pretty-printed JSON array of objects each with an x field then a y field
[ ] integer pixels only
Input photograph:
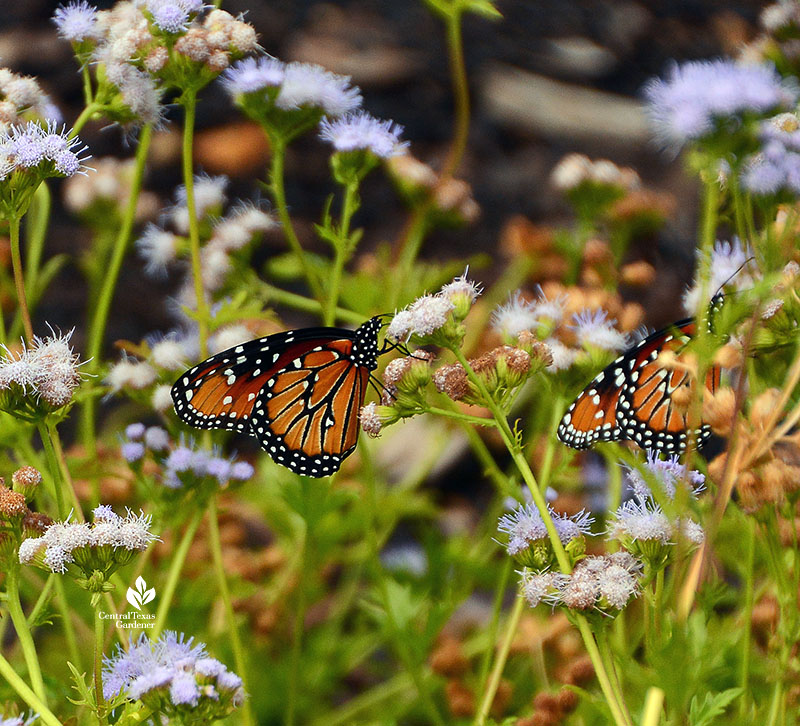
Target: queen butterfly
[
  {"x": 631, "y": 399},
  {"x": 299, "y": 393}
]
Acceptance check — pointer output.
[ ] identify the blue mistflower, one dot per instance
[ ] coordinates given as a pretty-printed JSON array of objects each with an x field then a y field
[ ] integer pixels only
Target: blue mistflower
[
  {"x": 360, "y": 131},
  {"x": 310, "y": 85},
  {"x": 169, "y": 15},
  {"x": 76, "y": 21},
  {"x": 687, "y": 104},
  {"x": 253, "y": 74}
]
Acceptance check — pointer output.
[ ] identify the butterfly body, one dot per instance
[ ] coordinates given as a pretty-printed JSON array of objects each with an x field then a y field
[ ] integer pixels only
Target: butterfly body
[
  {"x": 633, "y": 398},
  {"x": 299, "y": 393}
]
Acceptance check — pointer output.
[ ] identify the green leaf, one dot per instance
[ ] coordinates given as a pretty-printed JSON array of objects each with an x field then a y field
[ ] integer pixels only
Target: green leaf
[
  {"x": 712, "y": 706},
  {"x": 85, "y": 693}
]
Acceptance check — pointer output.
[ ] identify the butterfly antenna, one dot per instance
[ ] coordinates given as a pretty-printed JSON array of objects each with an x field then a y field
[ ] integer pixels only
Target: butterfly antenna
[{"x": 738, "y": 270}]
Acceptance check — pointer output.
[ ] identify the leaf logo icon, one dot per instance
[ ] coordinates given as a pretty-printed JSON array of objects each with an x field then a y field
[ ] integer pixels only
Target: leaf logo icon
[{"x": 141, "y": 595}]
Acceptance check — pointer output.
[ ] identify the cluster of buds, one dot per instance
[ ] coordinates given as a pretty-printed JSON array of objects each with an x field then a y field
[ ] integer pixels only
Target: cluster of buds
[
  {"x": 174, "y": 678},
  {"x": 575, "y": 323},
  {"x": 90, "y": 553},
  {"x": 604, "y": 583},
  {"x": 140, "y": 48},
  {"x": 526, "y": 539},
  {"x": 501, "y": 370},
  {"x": 16, "y": 520},
  {"x": 767, "y": 469},
  {"x": 22, "y": 100},
  {"x": 451, "y": 199},
  {"x": 779, "y": 39},
  {"x": 39, "y": 379}
]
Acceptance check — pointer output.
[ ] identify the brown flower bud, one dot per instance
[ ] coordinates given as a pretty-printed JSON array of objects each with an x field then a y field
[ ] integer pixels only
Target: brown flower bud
[
  {"x": 12, "y": 504},
  {"x": 544, "y": 701},
  {"x": 749, "y": 490},
  {"x": 729, "y": 356},
  {"x": 460, "y": 699},
  {"x": 581, "y": 671},
  {"x": 764, "y": 407},
  {"x": 638, "y": 274},
  {"x": 26, "y": 478},
  {"x": 567, "y": 700},
  {"x": 34, "y": 524},
  {"x": 718, "y": 410},
  {"x": 448, "y": 658},
  {"x": 597, "y": 252},
  {"x": 452, "y": 381}
]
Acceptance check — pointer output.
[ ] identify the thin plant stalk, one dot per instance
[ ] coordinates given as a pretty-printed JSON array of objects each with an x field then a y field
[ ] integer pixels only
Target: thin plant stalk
[
  {"x": 23, "y": 633},
  {"x": 277, "y": 187},
  {"x": 342, "y": 252},
  {"x": 55, "y": 469},
  {"x": 224, "y": 591},
  {"x": 300, "y": 302},
  {"x": 67, "y": 625},
  {"x": 189, "y": 103},
  {"x": 99, "y": 320},
  {"x": 749, "y": 576},
  {"x": 500, "y": 661},
  {"x": 298, "y": 631},
  {"x": 174, "y": 573},
  {"x": 36, "y": 704},
  {"x": 19, "y": 278},
  {"x": 100, "y": 700},
  {"x": 458, "y": 72},
  {"x": 491, "y": 630},
  {"x": 83, "y": 118},
  {"x": 38, "y": 606}
]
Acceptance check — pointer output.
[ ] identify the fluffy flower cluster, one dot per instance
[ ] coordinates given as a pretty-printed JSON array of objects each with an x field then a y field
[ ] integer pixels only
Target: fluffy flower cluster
[
  {"x": 669, "y": 473},
  {"x": 46, "y": 374},
  {"x": 45, "y": 152},
  {"x": 361, "y": 132},
  {"x": 20, "y": 720},
  {"x": 174, "y": 677},
  {"x": 519, "y": 314},
  {"x": 107, "y": 543},
  {"x": 777, "y": 167},
  {"x": 292, "y": 86},
  {"x": 594, "y": 329},
  {"x": 22, "y": 99},
  {"x": 604, "y": 583},
  {"x": 140, "y": 48},
  {"x": 526, "y": 537},
  {"x": 731, "y": 265},
  {"x": 696, "y": 96},
  {"x": 576, "y": 169},
  {"x": 430, "y": 313}
]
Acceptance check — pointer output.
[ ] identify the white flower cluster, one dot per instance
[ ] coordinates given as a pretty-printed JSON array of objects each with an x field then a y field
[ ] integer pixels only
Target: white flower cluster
[
  {"x": 20, "y": 98},
  {"x": 63, "y": 541},
  {"x": 47, "y": 370}
]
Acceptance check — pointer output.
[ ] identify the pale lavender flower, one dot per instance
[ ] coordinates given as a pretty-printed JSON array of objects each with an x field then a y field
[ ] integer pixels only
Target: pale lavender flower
[
  {"x": 209, "y": 195},
  {"x": 309, "y": 85},
  {"x": 242, "y": 471},
  {"x": 360, "y": 131},
  {"x": 594, "y": 328},
  {"x": 617, "y": 586},
  {"x": 407, "y": 557},
  {"x": 695, "y": 95},
  {"x": 173, "y": 673},
  {"x": 169, "y": 15},
  {"x": 525, "y": 525},
  {"x": 168, "y": 353},
  {"x": 134, "y": 431},
  {"x": 641, "y": 521},
  {"x": 429, "y": 313},
  {"x": 30, "y": 145},
  {"x": 129, "y": 373},
  {"x": 76, "y": 21},
  {"x": 180, "y": 459},
  {"x": 538, "y": 587},
  {"x": 156, "y": 438},
  {"x": 668, "y": 473},
  {"x": 731, "y": 265},
  {"x": 461, "y": 288},
  {"x": 253, "y": 74},
  {"x": 20, "y": 720},
  {"x": 219, "y": 468},
  {"x": 132, "y": 451}
]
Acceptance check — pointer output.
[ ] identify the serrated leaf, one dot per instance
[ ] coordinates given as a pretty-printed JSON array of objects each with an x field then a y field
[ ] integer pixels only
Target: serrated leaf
[
  {"x": 712, "y": 706},
  {"x": 79, "y": 681}
]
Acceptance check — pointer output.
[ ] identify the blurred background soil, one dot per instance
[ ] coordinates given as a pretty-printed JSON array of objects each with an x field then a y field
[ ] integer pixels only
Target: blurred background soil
[{"x": 553, "y": 77}]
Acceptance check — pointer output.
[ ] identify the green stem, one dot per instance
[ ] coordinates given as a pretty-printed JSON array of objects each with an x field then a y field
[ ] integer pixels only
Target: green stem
[
  {"x": 55, "y": 470},
  {"x": 65, "y": 614},
  {"x": 547, "y": 463},
  {"x": 658, "y": 598},
  {"x": 36, "y": 223},
  {"x": 189, "y": 103},
  {"x": 19, "y": 278},
  {"x": 344, "y": 249},
  {"x": 300, "y": 302},
  {"x": 455, "y": 51},
  {"x": 608, "y": 660},
  {"x": 23, "y": 632},
  {"x": 417, "y": 229},
  {"x": 510, "y": 440},
  {"x": 175, "y": 567},
  {"x": 279, "y": 197},
  {"x": 491, "y": 630},
  {"x": 463, "y": 417},
  {"x": 500, "y": 661},
  {"x": 298, "y": 630},
  {"x": 65, "y": 478},
  {"x": 85, "y": 115},
  {"x": 653, "y": 705},
  {"x": 749, "y": 575},
  {"x": 98, "y": 669},
  {"x": 222, "y": 582},
  {"x": 26, "y": 694},
  {"x": 38, "y": 606},
  {"x": 99, "y": 319}
]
